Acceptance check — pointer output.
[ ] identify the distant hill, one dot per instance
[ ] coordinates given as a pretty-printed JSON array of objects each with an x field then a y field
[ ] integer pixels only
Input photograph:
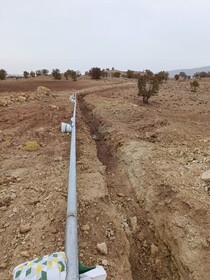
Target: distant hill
[{"x": 190, "y": 72}]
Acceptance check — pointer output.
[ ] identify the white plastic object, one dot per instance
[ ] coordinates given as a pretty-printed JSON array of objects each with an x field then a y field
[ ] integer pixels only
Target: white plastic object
[
  {"x": 95, "y": 274},
  {"x": 66, "y": 127},
  {"x": 72, "y": 98},
  {"x": 52, "y": 267},
  {"x": 49, "y": 267}
]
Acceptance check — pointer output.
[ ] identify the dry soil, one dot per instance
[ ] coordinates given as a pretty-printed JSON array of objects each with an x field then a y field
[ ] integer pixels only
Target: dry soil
[{"x": 138, "y": 177}]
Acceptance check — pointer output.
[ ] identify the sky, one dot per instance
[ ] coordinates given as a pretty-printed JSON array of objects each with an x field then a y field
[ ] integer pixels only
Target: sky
[{"x": 124, "y": 34}]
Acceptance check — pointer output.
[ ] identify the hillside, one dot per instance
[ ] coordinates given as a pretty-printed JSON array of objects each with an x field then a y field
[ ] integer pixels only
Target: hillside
[{"x": 190, "y": 72}]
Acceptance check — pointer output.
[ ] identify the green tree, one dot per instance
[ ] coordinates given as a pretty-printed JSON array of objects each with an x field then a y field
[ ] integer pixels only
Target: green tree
[
  {"x": 176, "y": 77},
  {"x": 38, "y": 73},
  {"x": 3, "y": 74},
  {"x": 130, "y": 74},
  {"x": 183, "y": 75},
  {"x": 32, "y": 74},
  {"x": 148, "y": 86},
  {"x": 163, "y": 76},
  {"x": 56, "y": 74},
  {"x": 45, "y": 72},
  {"x": 66, "y": 75},
  {"x": 73, "y": 75},
  {"x": 70, "y": 73},
  {"x": 26, "y": 74},
  {"x": 194, "y": 85},
  {"x": 149, "y": 73},
  {"x": 95, "y": 73}
]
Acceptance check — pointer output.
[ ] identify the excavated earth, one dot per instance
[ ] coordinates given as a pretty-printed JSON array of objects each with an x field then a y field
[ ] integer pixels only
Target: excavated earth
[{"x": 138, "y": 177}]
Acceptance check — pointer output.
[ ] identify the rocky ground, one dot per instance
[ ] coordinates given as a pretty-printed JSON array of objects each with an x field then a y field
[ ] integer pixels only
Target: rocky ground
[{"x": 143, "y": 207}]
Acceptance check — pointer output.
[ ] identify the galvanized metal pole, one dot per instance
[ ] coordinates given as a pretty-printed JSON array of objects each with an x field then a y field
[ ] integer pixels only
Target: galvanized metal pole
[{"x": 71, "y": 242}]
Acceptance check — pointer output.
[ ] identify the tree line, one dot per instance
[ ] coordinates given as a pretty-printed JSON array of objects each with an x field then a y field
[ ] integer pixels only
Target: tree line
[
  {"x": 197, "y": 75},
  {"x": 97, "y": 73},
  {"x": 94, "y": 73},
  {"x": 56, "y": 73}
]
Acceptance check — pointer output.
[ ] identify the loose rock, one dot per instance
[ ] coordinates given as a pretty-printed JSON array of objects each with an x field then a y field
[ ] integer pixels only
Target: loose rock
[
  {"x": 3, "y": 265},
  {"x": 14, "y": 210},
  {"x": 25, "y": 254},
  {"x": 206, "y": 176},
  {"x": 25, "y": 228},
  {"x": 54, "y": 230},
  {"x": 104, "y": 262},
  {"x": 133, "y": 222},
  {"x": 154, "y": 249},
  {"x": 102, "y": 248},
  {"x": 120, "y": 194},
  {"x": 85, "y": 228}
]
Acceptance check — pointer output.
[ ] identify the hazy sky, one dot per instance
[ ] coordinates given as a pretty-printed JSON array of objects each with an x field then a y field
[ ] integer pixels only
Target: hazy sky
[{"x": 125, "y": 34}]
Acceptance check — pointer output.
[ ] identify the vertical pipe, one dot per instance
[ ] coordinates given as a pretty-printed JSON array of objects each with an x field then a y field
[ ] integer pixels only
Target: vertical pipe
[{"x": 71, "y": 242}]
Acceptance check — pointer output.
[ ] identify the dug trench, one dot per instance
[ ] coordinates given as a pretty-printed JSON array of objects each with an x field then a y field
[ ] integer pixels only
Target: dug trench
[
  {"x": 136, "y": 249},
  {"x": 153, "y": 226}
]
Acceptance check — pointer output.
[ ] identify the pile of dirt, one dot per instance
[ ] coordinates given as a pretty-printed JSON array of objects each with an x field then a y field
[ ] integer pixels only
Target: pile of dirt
[{"x": 41, "y": 93}]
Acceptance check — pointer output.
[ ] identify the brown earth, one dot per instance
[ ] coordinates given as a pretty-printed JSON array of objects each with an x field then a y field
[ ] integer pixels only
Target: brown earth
[
  {"x": 139, "y": 185},
  {"x": 31, "y": 84}
]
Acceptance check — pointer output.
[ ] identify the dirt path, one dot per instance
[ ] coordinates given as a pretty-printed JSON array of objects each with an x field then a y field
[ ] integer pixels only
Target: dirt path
[{"x": 139, "y": 186}]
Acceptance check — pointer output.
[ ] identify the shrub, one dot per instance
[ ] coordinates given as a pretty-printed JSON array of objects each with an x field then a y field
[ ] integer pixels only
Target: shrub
[
  {"x": 3, "y": 74},
  {"x": 194, "y": 85},
  {"x": 136, "y": 75},
  {"x": 26, "y": 74},
  {"x": 38, "y": 73},
  {"x": 116, "y": 74},
  {"x": 95, "y": 73},
  {"x": 32, "y": 74},
  {"x": 202, "y": 74},
  {"x": 183, "y": 75},
  {"x": 130, "y": 74},
  {"x": 162, "y": 76},
  {"x": 148, "y": 86},
  {"x": 45, "y": 72},
  {"x": 66, "y": 75},
  {"x": 73, "y": 75},
  {"x": 176, "y": 77},
  {"x": 149, "y": 73},
  {"x": 196, "y": 75},
  {"x": 70, "y": 73},
  {"x": 56, "y": 74}
]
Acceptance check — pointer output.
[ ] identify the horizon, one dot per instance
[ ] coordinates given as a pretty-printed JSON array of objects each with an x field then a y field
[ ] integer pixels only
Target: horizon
[{"x": 83, "y": 73}]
